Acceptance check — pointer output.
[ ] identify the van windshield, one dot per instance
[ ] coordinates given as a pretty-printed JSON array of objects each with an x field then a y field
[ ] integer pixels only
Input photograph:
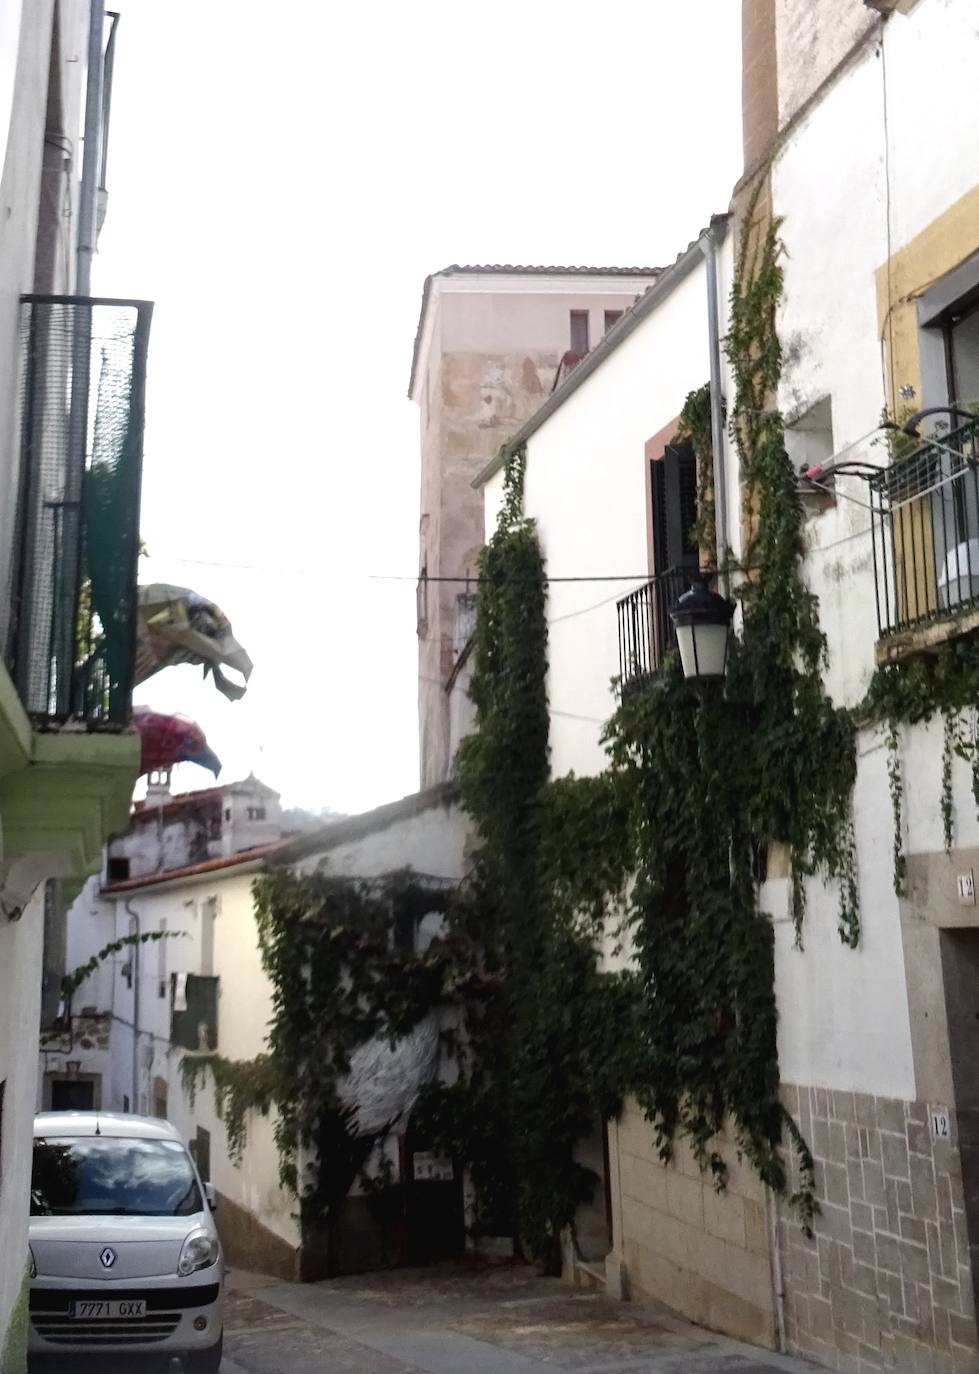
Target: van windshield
[{"x": 95, "y": 1176}]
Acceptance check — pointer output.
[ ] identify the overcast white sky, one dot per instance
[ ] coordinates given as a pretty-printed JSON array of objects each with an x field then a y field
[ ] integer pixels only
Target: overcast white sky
[{"x": 281, "y": 179}]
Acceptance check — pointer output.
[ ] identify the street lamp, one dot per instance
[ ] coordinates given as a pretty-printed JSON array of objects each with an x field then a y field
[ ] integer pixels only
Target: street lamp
[{"x": 702, "y": 621}]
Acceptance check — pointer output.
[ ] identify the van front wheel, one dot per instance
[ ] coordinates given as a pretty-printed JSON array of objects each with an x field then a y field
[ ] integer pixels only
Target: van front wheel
[{"x": 205, "y": 1361}]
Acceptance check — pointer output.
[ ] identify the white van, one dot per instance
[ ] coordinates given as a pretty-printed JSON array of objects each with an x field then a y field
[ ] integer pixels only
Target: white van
[{"x": 124, "y": 1254}]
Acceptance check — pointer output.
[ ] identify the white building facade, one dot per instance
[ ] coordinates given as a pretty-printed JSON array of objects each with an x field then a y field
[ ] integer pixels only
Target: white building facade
[
  {"x": 62, "y": 791},
  {"x": 878, "y": 197},
  {"x": 202, "y": 988}
]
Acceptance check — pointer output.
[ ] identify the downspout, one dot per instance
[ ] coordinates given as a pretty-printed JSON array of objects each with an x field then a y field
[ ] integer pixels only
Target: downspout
[
  {"x": 134, "y": 916},
  {"x": 64, "y": 629},
  {"x": 91, "y": 158},
  {"x": 708, "y": 245},
  {"x": 107, "y": 69}
]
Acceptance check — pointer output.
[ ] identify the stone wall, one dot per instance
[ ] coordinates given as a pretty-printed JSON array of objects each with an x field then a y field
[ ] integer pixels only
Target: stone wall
[
  {"x": 886, "y": 1281},
  {"x": 247, "y": 1244},
  {"x": 705, "y": 1254}
]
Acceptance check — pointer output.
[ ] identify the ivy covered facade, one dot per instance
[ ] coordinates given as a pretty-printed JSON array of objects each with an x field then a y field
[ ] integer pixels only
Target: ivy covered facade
[{"x": 794, "y": 1160}]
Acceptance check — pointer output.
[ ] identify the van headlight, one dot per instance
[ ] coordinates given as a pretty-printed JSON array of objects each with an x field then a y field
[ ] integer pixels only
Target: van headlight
[
  {"x": 199, "y": 1250},
  {"x": 31, "y": 1263}
]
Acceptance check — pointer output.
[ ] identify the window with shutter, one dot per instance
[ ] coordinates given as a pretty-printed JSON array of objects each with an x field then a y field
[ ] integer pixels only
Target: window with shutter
[
  {"x": 674, "y": 496},
  {"x": 673, "y": 491}
]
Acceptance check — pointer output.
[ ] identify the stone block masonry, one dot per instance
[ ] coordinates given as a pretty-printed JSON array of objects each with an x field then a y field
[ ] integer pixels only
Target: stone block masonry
[
  {"x": 703, "y": 1253},
  {"x": 886, "y": 1282}
]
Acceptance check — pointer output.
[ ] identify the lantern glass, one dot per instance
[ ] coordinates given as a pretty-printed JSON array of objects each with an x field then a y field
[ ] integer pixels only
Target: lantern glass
[
  {"x": 703, "y": 650},
  {"x": 702, "y": 622}
]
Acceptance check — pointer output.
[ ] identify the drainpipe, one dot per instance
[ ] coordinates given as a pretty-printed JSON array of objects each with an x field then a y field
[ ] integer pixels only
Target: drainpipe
[
  {"x": 70, "y": 575},
  {"x": 134, "y": 915},
  {"x": 778, "y": 1283},
  {"x": 107, "y": 69},
  {"x": 708, "y": 245},
  {"x": 91, "y": 159}
]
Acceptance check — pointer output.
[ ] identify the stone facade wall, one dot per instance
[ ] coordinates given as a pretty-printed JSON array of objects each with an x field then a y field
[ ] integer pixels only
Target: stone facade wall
[
  {"x": 886, "y": 1281},
  {"x": 706, "y": 1254}
]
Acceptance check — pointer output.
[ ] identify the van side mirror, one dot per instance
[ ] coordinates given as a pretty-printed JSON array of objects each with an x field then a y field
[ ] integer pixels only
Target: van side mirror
[{"x": 210, "y": 1193}]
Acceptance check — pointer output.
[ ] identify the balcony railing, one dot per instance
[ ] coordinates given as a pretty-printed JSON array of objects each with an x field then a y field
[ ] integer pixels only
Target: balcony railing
[
  {"x": 646, "y": 633},
  {"x": 72, "y": 635},
  {"x": 925, "y": 528}
]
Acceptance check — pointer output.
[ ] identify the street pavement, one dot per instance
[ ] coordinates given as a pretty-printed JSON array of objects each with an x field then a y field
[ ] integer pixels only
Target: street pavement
[{"x": 466, "y": 1319}]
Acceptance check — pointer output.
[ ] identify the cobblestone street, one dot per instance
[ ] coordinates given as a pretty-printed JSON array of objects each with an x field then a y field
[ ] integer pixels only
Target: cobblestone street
[{"x": 466, "y": 1320}]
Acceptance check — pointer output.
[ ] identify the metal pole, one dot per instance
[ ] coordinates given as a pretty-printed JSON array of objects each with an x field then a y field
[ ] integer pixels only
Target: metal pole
[
  {"x": 134, "y": 956},
  {"x": 88, "y": 192},
  {"x": 709, "y": 249},
  {"x": 70, "y": 577}
]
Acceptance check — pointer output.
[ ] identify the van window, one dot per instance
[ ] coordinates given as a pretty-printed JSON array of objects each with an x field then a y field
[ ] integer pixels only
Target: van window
[{"x": 113, "y": 1176}]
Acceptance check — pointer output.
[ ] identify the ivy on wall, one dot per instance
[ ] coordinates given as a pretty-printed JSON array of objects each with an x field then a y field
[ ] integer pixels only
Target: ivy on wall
[
  {"x": 696, "y": 427},
  {"x": 943, "y": 683},
  {"x": 685, "y": 809},
  {"x": 660, "y": 851},
  {"x": 548, "y": 1054},
  {"x": 341, "y": 961}
]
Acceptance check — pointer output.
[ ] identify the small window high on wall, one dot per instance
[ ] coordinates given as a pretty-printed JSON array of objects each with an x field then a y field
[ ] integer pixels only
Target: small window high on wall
[{"x": 579, "y": 332}]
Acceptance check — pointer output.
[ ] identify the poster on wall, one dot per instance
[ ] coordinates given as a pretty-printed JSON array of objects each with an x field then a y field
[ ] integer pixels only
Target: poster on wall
[{"x": 431, "y": 1168}]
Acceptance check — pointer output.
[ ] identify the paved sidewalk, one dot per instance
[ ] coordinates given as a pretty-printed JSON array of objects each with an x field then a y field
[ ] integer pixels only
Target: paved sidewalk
[{"x": 466, "y": 1319}]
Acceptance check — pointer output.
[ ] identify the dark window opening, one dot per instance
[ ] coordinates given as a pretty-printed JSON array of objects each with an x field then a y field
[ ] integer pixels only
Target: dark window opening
[
  {"x": 72, "y": 1095},
  {"x": 612, "y": 317},
  {"x": 673, "y": 480},
  {"x": 117, "y": 870},
  {"x": 200, "y": 1148},
  {"x": 579, "y": 332},
  {"x": 256, "y": 813},
  {"x": 962, "y": 355}
]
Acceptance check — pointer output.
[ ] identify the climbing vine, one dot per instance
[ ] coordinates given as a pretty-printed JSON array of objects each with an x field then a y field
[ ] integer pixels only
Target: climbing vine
[
  {"x": 696, "y": 427},
  {"x": 72, "y": 981},
  {"x": 660, "y": 853},
  {"x": 548, "y": 1055},
  {"x": 340, "y": 955},
  {"x": 942, "y": 683},
  {"x": 685, "y": 810}
]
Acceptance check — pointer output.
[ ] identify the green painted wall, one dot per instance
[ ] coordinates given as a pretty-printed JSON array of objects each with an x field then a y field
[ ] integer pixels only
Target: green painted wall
[{"x": 13, "y": 1352}]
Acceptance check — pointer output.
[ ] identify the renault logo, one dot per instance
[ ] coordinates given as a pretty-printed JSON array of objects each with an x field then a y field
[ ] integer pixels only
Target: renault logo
[{"x": 108, "y": 1257}]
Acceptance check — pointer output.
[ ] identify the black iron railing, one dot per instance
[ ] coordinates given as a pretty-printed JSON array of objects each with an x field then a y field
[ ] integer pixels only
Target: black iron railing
[
  {"x": 646, "y": 633},
  {"x": 925, "y": 527},
  {"x": 71, "y": 639}
]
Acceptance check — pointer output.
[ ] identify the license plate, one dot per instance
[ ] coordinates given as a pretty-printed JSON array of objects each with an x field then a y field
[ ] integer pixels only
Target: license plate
[{"x": 121, "y": 1310}]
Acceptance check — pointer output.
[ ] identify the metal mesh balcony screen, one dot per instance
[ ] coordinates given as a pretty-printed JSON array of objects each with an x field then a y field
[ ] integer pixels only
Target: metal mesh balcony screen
[
  {"x": 925, "y": 528},
  {"x": 72, "y": 636}
]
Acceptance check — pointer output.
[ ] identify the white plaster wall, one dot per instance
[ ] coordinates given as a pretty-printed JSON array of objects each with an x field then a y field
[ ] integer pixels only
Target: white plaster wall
[
  {"x": 431, "y": 842},
  {"x": 828, "y": 325},
  {"x": 10, "y": 15},
  {"x": 932, "y": 142},
  {"x": 462, "y": 712},
  {"x": 20, "y": 183},
  {"x": 586, "y": 487},
  {"x": 21, "y": 944},
  {"x": 244, "y": 1008},
  {"x": 812, "y": 37},
  {"x": 843, "y": 1014}
]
